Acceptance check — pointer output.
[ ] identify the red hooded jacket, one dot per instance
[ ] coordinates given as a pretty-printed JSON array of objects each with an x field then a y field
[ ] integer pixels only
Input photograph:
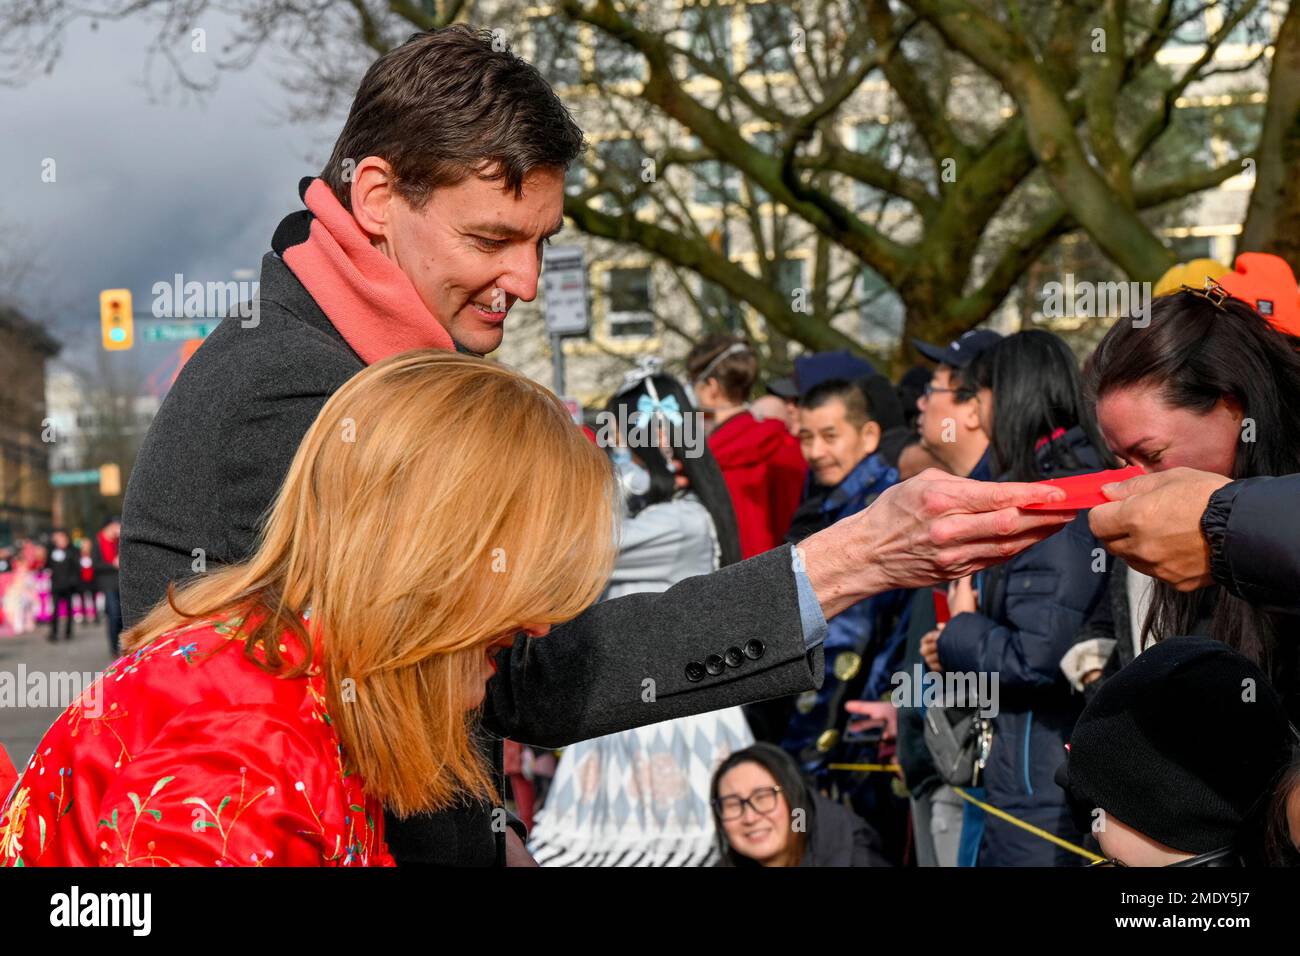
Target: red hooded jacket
[{"x": 765, "y": 472}]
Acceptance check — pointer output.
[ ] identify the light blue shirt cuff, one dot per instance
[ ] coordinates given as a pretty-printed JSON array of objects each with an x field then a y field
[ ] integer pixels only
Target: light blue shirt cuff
[{"x": 810, "y": 610}]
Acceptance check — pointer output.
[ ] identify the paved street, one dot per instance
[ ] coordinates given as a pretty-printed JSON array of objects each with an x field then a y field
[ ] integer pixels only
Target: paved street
[{"x": 22, "y": 727}]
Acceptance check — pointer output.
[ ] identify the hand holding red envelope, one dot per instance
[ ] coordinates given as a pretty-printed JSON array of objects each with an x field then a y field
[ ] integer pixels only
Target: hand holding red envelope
[{"x": 1084, "y": 491}]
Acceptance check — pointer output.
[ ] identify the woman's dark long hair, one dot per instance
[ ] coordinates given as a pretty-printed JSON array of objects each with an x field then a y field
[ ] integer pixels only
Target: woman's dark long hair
[
  {"x": 794, "y": 788},
  {"x": 1037, "y": 391},
  {"x": 1197, "y": 353},
  {"x": 698, "y": 464},
  {"x": 1279, "y": 848}
]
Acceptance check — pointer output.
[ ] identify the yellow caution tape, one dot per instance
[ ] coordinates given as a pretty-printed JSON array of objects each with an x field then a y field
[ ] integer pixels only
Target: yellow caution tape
[
  {"x": 1030, "y": 828},
  {"x": 987, "y": 808},
  {"x": 866, "y": 767}
]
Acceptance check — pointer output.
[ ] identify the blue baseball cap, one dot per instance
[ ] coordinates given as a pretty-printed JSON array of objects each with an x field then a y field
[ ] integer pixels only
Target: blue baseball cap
[
  {"x": 961, "y": 351},
  {"x": 811, "y": 370}
]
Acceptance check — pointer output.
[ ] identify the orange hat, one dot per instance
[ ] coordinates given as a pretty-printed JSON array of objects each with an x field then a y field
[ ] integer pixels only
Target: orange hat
[{"x": 1266, "y": 283}]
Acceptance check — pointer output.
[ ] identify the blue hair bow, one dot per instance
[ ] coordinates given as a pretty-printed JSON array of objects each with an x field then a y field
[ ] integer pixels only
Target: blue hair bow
[{"x": 647, "y": 408}]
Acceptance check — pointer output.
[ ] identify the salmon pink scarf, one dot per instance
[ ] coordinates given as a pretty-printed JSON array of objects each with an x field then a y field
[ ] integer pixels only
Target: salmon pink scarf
[{"x": 364, "y": 294}]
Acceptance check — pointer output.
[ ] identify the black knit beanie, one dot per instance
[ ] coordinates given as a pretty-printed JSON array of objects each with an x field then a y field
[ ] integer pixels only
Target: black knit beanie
[{"x": 1182, "y": 745}]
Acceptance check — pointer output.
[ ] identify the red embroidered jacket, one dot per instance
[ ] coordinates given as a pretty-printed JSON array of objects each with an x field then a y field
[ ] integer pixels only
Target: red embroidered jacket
[{"x": 186, "y": 753}]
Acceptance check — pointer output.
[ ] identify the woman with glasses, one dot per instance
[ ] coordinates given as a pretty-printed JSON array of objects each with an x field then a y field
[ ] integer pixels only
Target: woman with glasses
[
  {"x": 1029, "y": 611},
  {"x": 766, "y": 815}
]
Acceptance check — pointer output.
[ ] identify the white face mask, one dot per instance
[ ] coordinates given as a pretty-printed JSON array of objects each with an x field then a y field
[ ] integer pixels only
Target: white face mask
[{"x": 633, "y": 477}]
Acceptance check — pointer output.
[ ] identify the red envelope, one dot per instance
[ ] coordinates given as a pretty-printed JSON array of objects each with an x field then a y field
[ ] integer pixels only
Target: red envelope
[
  {"x": 941, "y": 613},
  {"x": 1084, "y": 491}
]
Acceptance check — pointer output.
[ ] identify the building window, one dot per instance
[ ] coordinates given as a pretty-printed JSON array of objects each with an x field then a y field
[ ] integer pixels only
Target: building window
[
  {"x": 771, "y": 32},
  {"x": 764, "y": 141},
  {"x": 575, "y": 178},
  {"x": 1187, "y": 248},
  {"x": 629, "y": 303},
  {"x": 621, "y": 161},
  {"x": 1195, "y": 31},
  {"x": 616, "y": 61},
  {"x": 555, "y": 50},
  {"x": 719, "y": 307},
  {"x": 880, "y": 310},
  {"x": 789, "y": 277},
  {"x": 706, "y": 32},
  {"x": 716, "y": 183}
]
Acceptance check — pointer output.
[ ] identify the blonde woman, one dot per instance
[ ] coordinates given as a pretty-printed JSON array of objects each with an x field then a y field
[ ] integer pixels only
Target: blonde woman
[{"x": 269, "y": 710}]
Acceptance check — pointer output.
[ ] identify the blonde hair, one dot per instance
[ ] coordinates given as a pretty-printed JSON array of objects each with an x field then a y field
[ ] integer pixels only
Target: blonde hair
[{"x": 438, "y": 503}]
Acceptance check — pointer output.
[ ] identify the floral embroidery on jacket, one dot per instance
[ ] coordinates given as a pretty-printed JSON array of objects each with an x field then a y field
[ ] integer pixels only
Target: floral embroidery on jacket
[{"x": 193, "y": 757}]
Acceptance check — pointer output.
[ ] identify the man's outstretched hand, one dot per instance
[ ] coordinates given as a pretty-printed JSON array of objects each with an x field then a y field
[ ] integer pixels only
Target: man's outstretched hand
[
  {"x": 931, "y": 528},
  {"x": 1153, "y": 522}
]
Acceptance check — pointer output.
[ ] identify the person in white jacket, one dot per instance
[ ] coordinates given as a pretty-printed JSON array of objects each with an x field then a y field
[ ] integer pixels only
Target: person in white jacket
[{"x": 641, "y": 797}]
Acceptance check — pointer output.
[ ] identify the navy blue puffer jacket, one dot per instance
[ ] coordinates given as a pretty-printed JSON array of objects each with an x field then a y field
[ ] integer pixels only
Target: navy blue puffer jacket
[{"x": 1032, "y": 609}]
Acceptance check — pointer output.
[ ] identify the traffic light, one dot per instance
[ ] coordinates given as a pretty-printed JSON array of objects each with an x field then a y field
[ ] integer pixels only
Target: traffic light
[
  {"x": 115, "y": 319},
  {"x": 110, "y": 480}
]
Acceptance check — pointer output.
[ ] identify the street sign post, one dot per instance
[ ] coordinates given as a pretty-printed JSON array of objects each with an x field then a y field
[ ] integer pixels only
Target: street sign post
[
  {"x": 564, "y": 281},
  {"x": 177, "y": 331},
  {"x": 63, "y": 479}
]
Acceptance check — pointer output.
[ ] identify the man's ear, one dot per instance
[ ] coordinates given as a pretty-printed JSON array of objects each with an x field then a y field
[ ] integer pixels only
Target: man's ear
[
  {"x": 372, "y": 194},
  {"x": 970, "y": 414},
  {"x": 871, "y": 436}
]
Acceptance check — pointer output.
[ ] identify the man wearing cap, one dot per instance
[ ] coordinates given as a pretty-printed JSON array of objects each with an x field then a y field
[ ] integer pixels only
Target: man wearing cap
[
  {"x": 949, "y": 425},
  {"x": 950, "y": 413}
]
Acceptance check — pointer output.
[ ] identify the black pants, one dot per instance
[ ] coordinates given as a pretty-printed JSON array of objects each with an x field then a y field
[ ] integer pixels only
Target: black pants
[
  {"x": 89, "y": 606},
  {"x": 113, "y": 615},
  {"x": 60, "y": 598}
]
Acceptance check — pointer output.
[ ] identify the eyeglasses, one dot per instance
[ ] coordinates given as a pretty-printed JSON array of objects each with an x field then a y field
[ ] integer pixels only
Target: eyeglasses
[
  {"x": 762, "y": 800},
  {"x": 962, "y": 394},
  {"x": 1110, "y": 861}
]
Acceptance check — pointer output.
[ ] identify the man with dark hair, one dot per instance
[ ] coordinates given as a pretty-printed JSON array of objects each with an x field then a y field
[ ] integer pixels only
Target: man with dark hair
[
  {"x": 950, "y": 409},
  {"x": 428, "y": 226},
  {"x": 840, "y": 438},
  {"x": 950, "y": 431},
  {"x": 760, "y": 459}
]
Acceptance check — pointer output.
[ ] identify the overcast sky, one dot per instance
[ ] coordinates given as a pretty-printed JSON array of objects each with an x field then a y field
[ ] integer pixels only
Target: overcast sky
[{"x": 147, "y": 185}]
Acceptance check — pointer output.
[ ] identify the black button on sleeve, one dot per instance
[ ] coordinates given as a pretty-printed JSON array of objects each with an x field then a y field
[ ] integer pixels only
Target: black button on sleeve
[
  {"x": 734, "y": 657},
  {"x": 754, "y": 649},
  {"x": 714, "y": 664},
  {"x": 694, "y": 671}
]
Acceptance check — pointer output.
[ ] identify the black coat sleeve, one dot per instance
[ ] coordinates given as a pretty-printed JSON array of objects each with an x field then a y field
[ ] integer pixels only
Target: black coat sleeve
[
  {"x": 215, "y": 456},
  {"x": 623, "y": 663},
  {"x": 1259, "y": 556}
]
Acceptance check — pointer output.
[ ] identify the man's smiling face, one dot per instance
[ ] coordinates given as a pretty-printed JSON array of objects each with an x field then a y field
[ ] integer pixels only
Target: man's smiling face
[{"x": 474, "y": 249}]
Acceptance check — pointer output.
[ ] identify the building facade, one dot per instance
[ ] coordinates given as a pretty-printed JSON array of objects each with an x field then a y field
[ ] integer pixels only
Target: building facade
[{"x": 26, "y": 498}]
